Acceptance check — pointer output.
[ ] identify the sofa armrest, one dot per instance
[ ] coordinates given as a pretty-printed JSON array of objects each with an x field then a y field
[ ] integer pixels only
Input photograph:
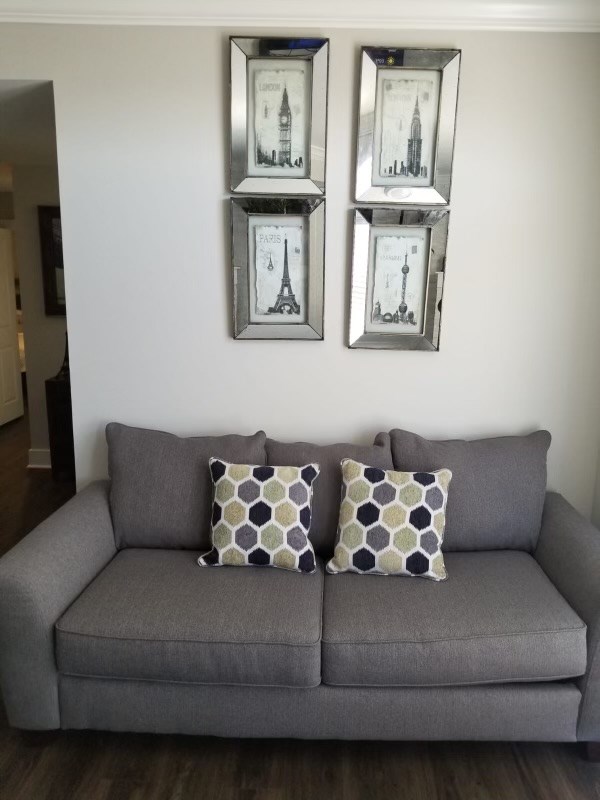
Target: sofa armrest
[
  {"x": 39, "y": 578},
  {"x": 568, "y": 551}
]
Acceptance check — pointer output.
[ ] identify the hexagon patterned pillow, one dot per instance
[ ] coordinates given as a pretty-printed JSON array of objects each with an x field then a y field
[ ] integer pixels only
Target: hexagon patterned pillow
[
  {"x": 261, "y": 516},
  {"x": 391, "y": 523}
]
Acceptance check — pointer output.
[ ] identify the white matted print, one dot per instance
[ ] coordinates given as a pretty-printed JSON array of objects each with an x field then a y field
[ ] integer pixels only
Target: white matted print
[
  {"x": 406, "y": 114},
  {"x": 279, "y": 92},
  {"x": 278, "y": 269},
  {"x": 397, "y": 279}
]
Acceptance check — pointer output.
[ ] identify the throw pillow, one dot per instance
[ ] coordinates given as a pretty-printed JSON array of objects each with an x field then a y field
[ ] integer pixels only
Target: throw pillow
[
  {"x": 261, "y": 516},
  {"x": 391, "y": 523}
]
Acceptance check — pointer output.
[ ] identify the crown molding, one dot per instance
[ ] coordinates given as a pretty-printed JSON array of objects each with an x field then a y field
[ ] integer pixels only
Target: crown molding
[{"x": 580, "y": 16}]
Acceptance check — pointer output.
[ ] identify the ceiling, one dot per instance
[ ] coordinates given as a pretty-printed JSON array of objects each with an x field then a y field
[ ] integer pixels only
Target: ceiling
[
  {"x": 538, "y": 15},
  {"x": 27, "y": 129}
]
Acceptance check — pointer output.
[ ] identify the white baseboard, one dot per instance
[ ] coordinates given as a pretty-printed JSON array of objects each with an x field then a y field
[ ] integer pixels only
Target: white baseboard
[{"x": 39, "y": 459}]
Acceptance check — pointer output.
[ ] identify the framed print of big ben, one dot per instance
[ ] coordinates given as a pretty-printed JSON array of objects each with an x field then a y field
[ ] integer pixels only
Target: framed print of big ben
[{"x": 278, "y": 115}]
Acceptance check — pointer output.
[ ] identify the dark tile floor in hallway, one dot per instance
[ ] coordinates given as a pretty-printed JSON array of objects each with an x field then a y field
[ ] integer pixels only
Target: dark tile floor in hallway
[{"x": 105, "y": 766}]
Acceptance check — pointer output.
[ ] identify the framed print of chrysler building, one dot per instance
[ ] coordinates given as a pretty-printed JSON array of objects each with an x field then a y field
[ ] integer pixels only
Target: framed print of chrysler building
[
  {"x": 406, "y": 124},
  {"x": 407, "y": 127},
  {"x": 278, "y": 115}
]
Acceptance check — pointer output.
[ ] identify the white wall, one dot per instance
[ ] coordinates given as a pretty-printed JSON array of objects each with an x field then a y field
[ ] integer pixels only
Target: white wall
[
  {"x": 596, "y": 506},
  {"x": 44, "y": 336},
  {"x": 142, "y": 142}
]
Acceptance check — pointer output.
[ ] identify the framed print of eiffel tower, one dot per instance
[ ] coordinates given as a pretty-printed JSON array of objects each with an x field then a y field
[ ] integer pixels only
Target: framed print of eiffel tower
[
  {"x": 278, "y": 266},
  {"x": 278, "y": 115}
]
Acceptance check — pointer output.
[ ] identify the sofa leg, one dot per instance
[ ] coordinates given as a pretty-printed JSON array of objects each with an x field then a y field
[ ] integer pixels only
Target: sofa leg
[
  {"x": 592, "y": 751},
  {"x": 38, "y": 738}
]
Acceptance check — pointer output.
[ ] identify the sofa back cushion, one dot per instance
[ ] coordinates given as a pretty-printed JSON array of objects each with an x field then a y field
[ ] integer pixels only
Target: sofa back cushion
[
  {"x": 327, "y": 489},
  {"x": 498, "y": 486},
  {"x": 161, "y": 489}
]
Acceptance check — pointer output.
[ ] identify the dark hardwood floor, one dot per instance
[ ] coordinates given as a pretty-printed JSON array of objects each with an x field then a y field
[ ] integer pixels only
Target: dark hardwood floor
[
  {"x": 105, "y": 766},
  {"x": 27, "y": 496}
]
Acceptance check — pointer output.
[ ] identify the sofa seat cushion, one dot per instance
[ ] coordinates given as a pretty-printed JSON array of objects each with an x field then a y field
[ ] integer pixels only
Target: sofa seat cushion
[
  {"x": 154, "y": 614},
  {"x": 496, "y": 619}
]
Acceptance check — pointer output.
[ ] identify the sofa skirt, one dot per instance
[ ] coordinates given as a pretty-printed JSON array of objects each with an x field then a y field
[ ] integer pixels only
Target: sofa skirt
[{"x": 503, "y": 712}]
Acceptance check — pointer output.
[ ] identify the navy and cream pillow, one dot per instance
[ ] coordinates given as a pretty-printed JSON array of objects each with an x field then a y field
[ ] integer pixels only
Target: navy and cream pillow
[
  {"x": 261, "y": 516},
  {"x": 391, "y": 523}
]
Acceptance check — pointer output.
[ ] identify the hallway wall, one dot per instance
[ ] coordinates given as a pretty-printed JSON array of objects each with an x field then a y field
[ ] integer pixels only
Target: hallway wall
[{"x": 44, "y": 336}]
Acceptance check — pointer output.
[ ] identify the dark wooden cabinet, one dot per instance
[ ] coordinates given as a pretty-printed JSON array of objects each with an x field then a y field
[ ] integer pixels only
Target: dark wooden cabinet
[{"x": 60, "y": 428}]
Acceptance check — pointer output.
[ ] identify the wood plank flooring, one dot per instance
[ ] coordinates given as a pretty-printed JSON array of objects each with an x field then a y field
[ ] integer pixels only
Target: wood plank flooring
[
  {"x": 27, "y": 496},
  {"x": 104, "y": 766}
]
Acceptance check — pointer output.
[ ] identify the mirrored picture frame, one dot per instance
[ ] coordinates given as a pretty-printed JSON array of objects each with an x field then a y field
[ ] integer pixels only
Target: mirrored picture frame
[
  {"x": 278, "y": 255},
  {"x": 398, "y": 270},
  {"x": 406, "y": 126},
  {"x": 278, "y": 115},
  {"x": 53, "y": 272}
]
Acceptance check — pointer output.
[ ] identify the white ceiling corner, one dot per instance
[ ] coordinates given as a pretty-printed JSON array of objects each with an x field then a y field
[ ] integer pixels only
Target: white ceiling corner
[{"x": 538, "y": 15}]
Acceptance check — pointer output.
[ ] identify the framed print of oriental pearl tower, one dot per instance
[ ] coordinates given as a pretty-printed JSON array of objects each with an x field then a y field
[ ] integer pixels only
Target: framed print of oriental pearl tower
[
  {"x": 398, "y": 266},
  {"x": 278, "y": 115},
  {"x": 406, "y": 125}
]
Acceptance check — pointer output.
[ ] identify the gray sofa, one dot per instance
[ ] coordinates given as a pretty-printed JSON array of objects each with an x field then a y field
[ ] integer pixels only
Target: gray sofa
[{"x": 107, "y": 622}]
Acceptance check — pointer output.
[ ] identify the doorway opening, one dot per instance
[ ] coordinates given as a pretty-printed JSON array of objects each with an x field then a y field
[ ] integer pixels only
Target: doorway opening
[{"x": 37, "y": 472}]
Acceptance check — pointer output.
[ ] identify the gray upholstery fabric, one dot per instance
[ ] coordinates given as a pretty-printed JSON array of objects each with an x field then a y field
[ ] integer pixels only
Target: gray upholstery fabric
[
  {"x": 328, "y": 486},
  {"x": 569, "y": 552},
  {"x": 39, "y": 578},
  {"x": 156, "y": 614},
  {"x": 521, "y": 712},
  {"x": 161, "y": 491},
  {"x": 496, "y": 619},
  {"x": 498, "y": 486}
]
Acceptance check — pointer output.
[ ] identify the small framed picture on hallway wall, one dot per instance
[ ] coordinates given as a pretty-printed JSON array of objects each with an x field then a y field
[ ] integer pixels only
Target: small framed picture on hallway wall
[
  {"x": 53, "y": 272},
  {"x": 278, "y": 267},
  {"x": 278, "y": 115},
  {"x": 406, "y": 125}
]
